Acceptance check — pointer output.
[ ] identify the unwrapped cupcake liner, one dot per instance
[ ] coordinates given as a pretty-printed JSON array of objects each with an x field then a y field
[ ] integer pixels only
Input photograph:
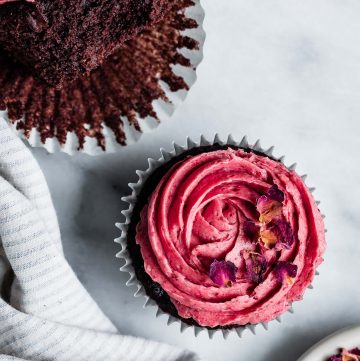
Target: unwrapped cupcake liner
[
  {"x": 131, "y": 201},
  {"x": 163, "y": 109}
]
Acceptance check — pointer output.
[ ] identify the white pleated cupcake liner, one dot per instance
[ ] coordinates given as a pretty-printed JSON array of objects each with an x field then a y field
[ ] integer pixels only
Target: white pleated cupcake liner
[
  {"x": 164, "y": 110},
  {"x": 131, "y": 201}
]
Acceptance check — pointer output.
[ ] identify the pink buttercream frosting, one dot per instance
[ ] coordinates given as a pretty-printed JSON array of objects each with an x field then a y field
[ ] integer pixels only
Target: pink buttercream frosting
[{"x": 196, "y": 215}]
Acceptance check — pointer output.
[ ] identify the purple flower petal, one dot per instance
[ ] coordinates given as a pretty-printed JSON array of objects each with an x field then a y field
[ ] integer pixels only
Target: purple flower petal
[
  {"x": 275, "y": 194},
  {"x": 352, "y": 355},
  {"x": 277, "y": 232},
  {"x": 270, "y": 205},
  {"x": 355, "y": 351},
  {"x": 223, "y": 273},
  {"x": 268, "y": 238},
  {"x": 251, "y": 230},
  {"x": 268, "y": 209},
  {"x": 345, "y": 355},
  {"x": 285, "y": 272},
  {"x": 256, "y": 266}
]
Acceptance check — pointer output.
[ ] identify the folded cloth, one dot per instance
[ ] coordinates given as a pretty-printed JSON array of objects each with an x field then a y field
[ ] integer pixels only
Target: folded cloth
[{"x": 45, "y": 312}]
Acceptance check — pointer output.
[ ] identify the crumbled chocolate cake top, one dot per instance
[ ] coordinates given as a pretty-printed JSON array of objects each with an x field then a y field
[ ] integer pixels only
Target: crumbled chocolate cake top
[
  {"x": 125, "y": 86},
  {"x": 62, "y": 39}
]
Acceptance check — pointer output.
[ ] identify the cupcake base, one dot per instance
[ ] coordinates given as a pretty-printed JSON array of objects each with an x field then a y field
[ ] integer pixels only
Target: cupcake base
[{"x": 130, "y": 251}]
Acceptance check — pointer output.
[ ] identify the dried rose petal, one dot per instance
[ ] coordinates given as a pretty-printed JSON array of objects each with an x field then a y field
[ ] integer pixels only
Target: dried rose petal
[
  {"x": 345, "y": 355},
  {"x": 285, "y": 272},
  {"x": 268, "y": 238},
  {"x": 270, "y": 205},
  {"x": 256, "y": 266},
  {"x": 268, "y": 209},
  {"x": 276, "y": 194},
  {"x": 349, "y": 357},
  {"x": 251, "y": 230},
  {"x": 277, "y": 233},
  {"x": 355, "y": 351},
  {"x": 223, "y": 273},
  {"x": 336, "y": 358},
  {"x": 352, "y": 355}
]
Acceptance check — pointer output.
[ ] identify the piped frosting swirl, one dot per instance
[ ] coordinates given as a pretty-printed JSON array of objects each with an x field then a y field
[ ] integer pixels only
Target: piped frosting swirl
[{"x": 203, "y": 218}]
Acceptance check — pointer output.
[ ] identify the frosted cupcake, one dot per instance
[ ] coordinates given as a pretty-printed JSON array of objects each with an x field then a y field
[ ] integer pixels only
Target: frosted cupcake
[{"x": 223, "y": 236}]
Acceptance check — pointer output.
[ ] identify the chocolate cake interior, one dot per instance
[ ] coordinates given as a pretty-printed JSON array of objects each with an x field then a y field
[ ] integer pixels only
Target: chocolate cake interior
[{"x": 60, "y": 39}]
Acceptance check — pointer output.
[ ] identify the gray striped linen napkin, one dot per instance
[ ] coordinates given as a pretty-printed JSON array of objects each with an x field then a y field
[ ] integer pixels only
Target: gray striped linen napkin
[{"x": 45, "y": 312}]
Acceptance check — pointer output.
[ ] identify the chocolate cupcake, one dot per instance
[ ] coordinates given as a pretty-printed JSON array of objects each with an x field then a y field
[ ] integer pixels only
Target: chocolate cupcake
[
  {"x": 221, "y": 236},
  {"x": 138, "y": 86},
  {"x": 59, "y": 40}
]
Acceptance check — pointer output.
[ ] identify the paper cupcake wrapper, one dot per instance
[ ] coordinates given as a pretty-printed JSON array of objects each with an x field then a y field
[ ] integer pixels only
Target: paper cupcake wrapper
[
  {"x": 131, "y": 200},
  {"x": 164, "y": 110}
]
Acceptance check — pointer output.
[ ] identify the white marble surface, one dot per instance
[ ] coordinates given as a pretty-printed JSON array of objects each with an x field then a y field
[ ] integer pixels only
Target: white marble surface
[{"x": 287, "y": 72}]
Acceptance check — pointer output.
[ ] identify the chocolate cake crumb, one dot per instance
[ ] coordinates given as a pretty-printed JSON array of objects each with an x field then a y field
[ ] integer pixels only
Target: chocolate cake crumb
[
  {"x": 61, "y": 39},
  {"x": 124, "y": 87}
]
